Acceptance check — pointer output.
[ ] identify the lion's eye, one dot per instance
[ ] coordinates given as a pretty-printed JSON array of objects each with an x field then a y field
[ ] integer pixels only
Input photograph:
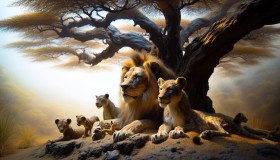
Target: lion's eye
[
  {"x": 125, "y": 77},
  {"x": 170, "y": 90},
  {"x": 137, "y": 76}
]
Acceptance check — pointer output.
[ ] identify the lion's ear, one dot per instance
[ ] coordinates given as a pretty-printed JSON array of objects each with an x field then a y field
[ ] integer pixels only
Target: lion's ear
[
  {"x": 160, "y": 81},
  {"x": 182, "y": 82},
  {"x": 106, "y": 95},
  {"x": 83, "y": 118},
  {"x": 56, "y": 121},
  {"x": 125, "y": 69},
  {"x": 68, "y": 120},
  {"x": 155, "y": 68}
]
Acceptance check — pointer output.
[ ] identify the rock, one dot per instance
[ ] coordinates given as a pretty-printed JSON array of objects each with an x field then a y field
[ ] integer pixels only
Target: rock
[
  {"x": 173, "y": 149},
  {"x": 191, "y": 151},
  {"x": 127, "y": 158},
  {"x": 60, "y": 148},
  {"x": 140, "y": 140},
  {"x": 98, "y": 136},
  {"x": 83, "y": 155},
  {"x": 96, "y": 152},
  {"x": 108, "y": 146},
  {"x": 112, "y": 155},
  {"x": 267, "y": 150},
  {"x": 125, "y": 147}
]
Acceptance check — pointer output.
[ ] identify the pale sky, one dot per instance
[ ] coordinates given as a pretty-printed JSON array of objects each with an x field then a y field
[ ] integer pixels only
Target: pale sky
[{"x": 72, "y": 88}]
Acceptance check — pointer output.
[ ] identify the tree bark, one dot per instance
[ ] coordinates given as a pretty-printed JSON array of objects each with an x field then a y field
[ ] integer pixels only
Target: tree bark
[
  {"x": 172, "y": 53},
  {"x": 204, "y": 53}
]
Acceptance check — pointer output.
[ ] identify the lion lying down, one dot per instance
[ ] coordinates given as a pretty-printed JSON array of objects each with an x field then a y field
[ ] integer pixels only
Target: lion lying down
[
  {"x": 179, "y": 117},
  {"x": 139, "y": 91}
]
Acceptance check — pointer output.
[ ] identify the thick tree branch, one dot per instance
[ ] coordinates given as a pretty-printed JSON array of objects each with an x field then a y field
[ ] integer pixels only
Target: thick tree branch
[
  {"x": 133, "y": 14},
  {"x": 199, "y": 23},
  {"x": 132, "y": 40},
  {"x": 204, "y": 53},
  {"x": 107, "y": 53}
]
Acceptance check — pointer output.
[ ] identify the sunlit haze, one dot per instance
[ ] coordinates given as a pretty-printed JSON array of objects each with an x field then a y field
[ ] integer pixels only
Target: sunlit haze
[{"x": 65, "y": 92}]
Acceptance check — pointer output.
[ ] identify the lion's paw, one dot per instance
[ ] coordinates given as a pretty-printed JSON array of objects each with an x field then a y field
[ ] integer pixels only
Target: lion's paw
[
  {"x": 206, "y": 135},
  {"x": 121, "y": 135},
  {"x": 159, "y": 137},
  {"x": 177, "y": 134}
]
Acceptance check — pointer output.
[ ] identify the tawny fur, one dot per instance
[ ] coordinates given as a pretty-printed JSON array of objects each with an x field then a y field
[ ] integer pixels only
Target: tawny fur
[
  {"x": 177, "y": 110},
  {"x": 138, "y": 95},
  {"x": 110, "y": 111},
  {"x": 112, "y": 129},
  {"x": 87, "y": 123},
  {"x": 68, "y": 132},
  {"x": 178, "y": 115}
]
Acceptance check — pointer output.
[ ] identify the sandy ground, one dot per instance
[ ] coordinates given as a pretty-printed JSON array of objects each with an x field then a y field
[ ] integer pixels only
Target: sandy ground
[{"x": 233, "y": 147}]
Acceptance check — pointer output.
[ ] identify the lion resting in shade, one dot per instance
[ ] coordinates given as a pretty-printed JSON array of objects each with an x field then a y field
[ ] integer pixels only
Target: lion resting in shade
[{"x": 139, "y": 108}]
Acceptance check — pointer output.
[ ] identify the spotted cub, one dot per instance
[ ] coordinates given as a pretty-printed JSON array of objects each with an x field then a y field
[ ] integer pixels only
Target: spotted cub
[
  {"x": 68, "y": 132},
  {"x": 87, "y": 123}
]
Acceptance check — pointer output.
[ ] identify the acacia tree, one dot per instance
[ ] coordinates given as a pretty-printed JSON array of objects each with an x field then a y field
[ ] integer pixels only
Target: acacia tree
[{"x": 88, "y": 23}]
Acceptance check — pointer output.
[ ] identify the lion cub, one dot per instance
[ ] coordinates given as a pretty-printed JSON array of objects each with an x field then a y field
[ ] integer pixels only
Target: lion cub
[
  {"x": 179, "y": 115},
  {"x": 110, "y": 111},
  {"x": 87, "y": 123},
  {"x": 69, "y": 133}
]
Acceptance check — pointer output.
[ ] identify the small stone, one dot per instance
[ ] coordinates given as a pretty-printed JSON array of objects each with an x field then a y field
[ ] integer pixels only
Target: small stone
[
  {"x": 125, "y": 147},
  {"x": 173, "y": 149},
  {"x": 108, "y": 146},
  {"x": 191, "y": 151},
  {"x": 60, "y": 148},
  {"x": 140, "y": 140},
  {"x": 178, "y": 142},
  {"x": 127, "y": 158},
  {"x": 112, "y": 155},
  {"x": 267, "y": 150},
  {"x": 96, "y": 152},
  {"x": 82, "y": 155},
  {"x": 98, "y": 136}
]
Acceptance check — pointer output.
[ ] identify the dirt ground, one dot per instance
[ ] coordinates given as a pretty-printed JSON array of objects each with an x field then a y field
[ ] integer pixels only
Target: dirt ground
[{"x": 219, "y": 148}]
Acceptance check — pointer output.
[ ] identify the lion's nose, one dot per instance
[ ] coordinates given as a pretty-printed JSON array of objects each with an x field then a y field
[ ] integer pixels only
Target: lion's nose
[{"x": 124, "y": 86}]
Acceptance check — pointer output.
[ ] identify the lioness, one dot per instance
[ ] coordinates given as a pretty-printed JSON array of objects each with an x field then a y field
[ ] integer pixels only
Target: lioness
[
  {"x": 69, "y": 133},
  {"x": 110, "y": 111},
  {"x": 87, "y": 123},
  {"x": 138, "y": 106},
  {"x": 179, "y": 115}
]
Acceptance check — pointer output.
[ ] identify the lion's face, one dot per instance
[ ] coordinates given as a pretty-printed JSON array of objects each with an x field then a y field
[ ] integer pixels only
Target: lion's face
[
  {"x": 134, "y": 83},
  {"x": 62, "y": 124},
  {"x": 170, "y": 91},
  {"x": 102, "y": 100},
  {"x": 80, "y": 120}
]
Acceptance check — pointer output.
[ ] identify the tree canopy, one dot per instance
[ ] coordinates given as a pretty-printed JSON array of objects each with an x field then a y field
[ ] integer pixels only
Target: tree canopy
[{"x": 192, "y": 48}]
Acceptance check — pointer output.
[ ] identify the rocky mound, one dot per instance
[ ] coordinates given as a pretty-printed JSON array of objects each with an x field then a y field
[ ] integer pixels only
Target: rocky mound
[{"x": 140, "y": 147}]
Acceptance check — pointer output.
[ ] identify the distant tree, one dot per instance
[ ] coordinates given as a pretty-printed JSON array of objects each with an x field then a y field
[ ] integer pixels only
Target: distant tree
[{"x": 192, "y": 49}]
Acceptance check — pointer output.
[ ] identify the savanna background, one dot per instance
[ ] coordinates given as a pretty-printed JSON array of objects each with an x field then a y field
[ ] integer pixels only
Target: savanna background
[{"x": 33, "y": 93}]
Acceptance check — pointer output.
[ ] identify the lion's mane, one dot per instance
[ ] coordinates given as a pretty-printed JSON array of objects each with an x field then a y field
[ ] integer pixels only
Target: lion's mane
[{"x": 147, "y": 106}]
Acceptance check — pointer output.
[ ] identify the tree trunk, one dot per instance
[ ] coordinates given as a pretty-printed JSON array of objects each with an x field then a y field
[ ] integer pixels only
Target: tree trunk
[
  {"x": 204, "y": 53},
  {"x": 172, "y": 53}
]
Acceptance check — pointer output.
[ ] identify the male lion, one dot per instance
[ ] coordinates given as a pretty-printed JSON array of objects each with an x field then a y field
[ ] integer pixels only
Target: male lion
[
  {"x": 139, "y": 91},
  {"x": 179, "y": 116}
]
